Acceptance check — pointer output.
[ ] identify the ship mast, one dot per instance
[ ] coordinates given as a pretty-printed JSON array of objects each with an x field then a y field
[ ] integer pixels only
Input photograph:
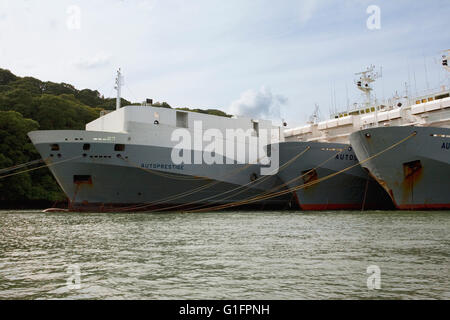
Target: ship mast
[
  {"x": 118, "y": 86},
  {"x": 364, "y": 83},
  {"x": 314, "y": 118}
]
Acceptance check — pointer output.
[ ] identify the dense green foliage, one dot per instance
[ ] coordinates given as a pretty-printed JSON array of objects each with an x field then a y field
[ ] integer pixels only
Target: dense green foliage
[
  {"x": 28, "y": 104},
  {"x": 214, "y": 112},
  {"x": 161, "y": 105}
]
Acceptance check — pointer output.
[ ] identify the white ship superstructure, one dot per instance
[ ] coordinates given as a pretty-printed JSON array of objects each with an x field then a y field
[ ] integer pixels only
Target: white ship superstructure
[
  {"x": 328, "y": 175},
  {"x": 425, "y": 110}
]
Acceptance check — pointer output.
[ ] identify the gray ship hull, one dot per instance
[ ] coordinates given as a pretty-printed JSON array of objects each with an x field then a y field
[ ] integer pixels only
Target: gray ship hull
[
  {"x": 416, "y": 171},
  {"x": 144, "y": 178},
  {"x": 353, "y": 189}
]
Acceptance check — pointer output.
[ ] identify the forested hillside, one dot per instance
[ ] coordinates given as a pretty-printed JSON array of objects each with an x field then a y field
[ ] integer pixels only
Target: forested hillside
[{"x": 28, "y": 104}]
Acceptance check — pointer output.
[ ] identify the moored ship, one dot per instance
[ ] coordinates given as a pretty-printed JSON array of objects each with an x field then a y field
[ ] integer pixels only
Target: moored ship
[
  {"x": 415, "y": 171},
  {"x": 124, "y": 160},
  {"x": 327, "y": 176},
  {"x": 411, "y": 161},
  {"x": 319, "y": 191}
]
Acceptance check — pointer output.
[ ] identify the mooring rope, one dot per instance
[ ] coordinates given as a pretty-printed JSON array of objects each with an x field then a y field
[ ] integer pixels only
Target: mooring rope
[
  {"x": 180, "y": 195},
  {"x": 255, "y": 182},
  {"x": 26, "y": 164},
  {"x": 272, "y": 195},
  {"x": 213, "y": 183},
  {"x": 40, "y": 167},
  {"x": 306, "y": 173}
]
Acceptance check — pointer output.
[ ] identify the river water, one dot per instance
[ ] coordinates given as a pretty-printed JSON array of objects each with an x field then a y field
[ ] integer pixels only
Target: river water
[{"x": 226, "y": 255}]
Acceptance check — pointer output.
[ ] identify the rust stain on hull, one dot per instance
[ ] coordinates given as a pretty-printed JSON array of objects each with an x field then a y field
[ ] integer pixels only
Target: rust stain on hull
[
  {"x": 413, "y": 173},
  {"x": 384, "y": 185}
]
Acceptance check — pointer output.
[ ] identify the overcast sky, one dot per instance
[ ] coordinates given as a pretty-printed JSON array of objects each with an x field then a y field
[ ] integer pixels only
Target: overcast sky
[{"x": 270, "y": 59}]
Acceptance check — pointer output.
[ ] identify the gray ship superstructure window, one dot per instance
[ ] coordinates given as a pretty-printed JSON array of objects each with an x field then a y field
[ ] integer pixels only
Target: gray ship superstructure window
[
  {"x": 86, "y": 146},
  {"x": 256, "y": 128},
  {"x": 54, "y": 147},
  {"x": 442, "y": 96},
  {"x": 182, "y": 119}
]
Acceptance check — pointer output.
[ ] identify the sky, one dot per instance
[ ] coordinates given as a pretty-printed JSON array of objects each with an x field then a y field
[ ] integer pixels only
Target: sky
[{"x": 264, "y": 59}]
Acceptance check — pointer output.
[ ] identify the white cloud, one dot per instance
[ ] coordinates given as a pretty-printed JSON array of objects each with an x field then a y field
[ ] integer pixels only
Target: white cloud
[
  {"x": 260, "y": 103},
  {"x": 97, "y": 61},
  {"x": 205, "y": 53},
  {"x": 307, "y": 9}
]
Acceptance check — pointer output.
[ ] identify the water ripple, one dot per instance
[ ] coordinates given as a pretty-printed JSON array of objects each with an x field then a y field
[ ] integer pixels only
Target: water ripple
[{"x": 231, "y": 255}]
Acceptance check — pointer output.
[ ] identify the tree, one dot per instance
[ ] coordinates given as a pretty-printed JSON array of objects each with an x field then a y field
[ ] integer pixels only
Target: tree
[
  {"x": 58, "y": 88},
  {"x": 16, "y": 148},
  {"x": 32, "y": 85},
  {"x": 213, "y": 112},
  {"x": 161, "y": 105},
  {"x": 62, "y": 112},
  {"x": 89, "y": 97},
  {"x": 19, "y": 100},
  {"x": 6, "y": 76}
]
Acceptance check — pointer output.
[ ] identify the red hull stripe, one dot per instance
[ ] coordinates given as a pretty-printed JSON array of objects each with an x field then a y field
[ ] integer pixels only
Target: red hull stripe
[
  {"x": 331, "y": 206},
  {"x": 422, "y": 206}
]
